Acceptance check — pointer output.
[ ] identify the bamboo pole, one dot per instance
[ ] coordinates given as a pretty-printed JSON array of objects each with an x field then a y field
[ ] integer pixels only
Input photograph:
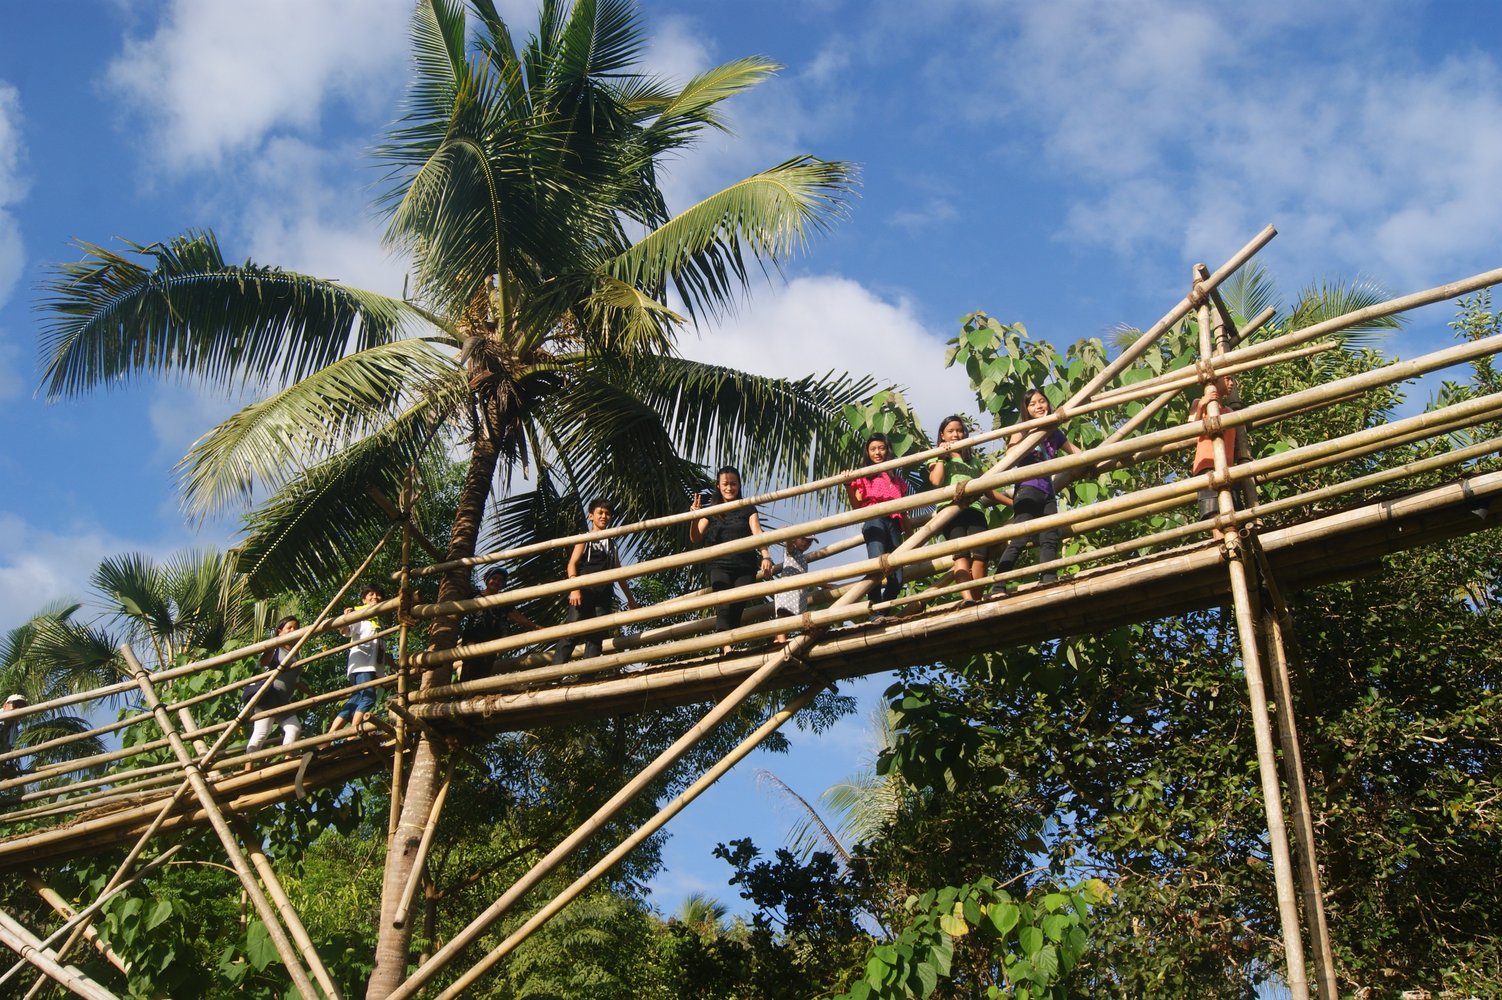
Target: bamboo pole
[
  {"x": 424, "y": 844},
  {"x": 1293, "y": 768},
  {"x": 284, "y": 907},
  {"x": 647, "y": 829},
  {"x": 1246, "y": 617},
  {"x": 29, "y": 947},
  {"x": 205, "y": 795}
]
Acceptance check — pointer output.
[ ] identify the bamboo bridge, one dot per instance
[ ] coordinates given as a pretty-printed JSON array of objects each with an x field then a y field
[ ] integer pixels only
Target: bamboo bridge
[{"x": 190, "y": 775}]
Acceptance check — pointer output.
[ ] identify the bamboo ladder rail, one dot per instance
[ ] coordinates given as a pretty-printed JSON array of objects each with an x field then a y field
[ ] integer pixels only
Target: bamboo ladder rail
[
  {"x": 279, "y": 937},
  {"x": 799, "y": 644},
  {"x": 145, "y": 680}
]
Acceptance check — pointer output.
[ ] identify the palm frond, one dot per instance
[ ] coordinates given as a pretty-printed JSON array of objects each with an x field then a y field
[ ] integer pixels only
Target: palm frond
[
  {"x": 694, "y": 107},
  {"x": 1327, "y": 300},
  {"x": 272, "y": 441},
  {"x": 776, "y": 430},
  {"x": 771, "y": 214},
  {"x": 197, "y": 316},
  {"x": 322, "y": 524},
  {"x": 1248, "y": 292}
]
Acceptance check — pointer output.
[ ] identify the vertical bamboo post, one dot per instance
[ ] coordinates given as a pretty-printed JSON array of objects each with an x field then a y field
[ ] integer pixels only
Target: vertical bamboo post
[
  {"x": 205, "y": 795},
  {"x": 403, "y": 617},
  {"x": 1267, "y": 767},
  {"x": 419, "y": 865},
  {"x": 1298, "y": 788}
]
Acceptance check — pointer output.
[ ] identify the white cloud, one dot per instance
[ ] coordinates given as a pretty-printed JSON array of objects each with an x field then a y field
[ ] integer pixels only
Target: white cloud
[
  {"x": 214, "y": 78},
  {"x": 1188, "y": 129},
  {"x": 41, "y": 566},
  {"x": 815, "y": 325},
  {"x": 300, "y": 216}
]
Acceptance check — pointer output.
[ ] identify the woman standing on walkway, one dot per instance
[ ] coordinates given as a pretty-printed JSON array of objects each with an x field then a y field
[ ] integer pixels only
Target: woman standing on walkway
[
  {"x": 1036, "y": 497},
  {"x": 947, "y": 471},
  {"x": 883, "y": 533}
]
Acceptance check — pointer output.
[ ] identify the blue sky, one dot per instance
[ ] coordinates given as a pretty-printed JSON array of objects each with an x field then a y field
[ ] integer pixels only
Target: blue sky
[{"x": 1063, "y": 164}]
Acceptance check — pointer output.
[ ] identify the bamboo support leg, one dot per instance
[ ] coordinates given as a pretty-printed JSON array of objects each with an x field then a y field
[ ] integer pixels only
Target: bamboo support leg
[
  {"x": 601, "y": 816},
  {"x": 1298, "y": 790},
  {"x": 651, "y": 826},
  {"x": 284, "y": 906},
  {"x": 205, "y": 795},
  {"x": 423, "y": 846},
  {"x": 29, "y": 947}
]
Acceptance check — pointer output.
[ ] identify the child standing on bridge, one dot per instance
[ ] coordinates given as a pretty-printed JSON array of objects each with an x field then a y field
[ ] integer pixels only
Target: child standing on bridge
[
  {"x": 738, "y": 569},
  {"x": 594, "y": 555},
  {"x": 366, "y": 658},
  {"x": 1223, "y": 391},
  {"x": 960, "y": 466},
  {"x": 283, "y": 690},
  {"x": 1035, "y": 498},
  {"x": 882, "y": 534}
]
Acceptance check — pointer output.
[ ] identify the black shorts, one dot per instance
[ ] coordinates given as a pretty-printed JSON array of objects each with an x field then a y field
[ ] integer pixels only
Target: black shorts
[{"x": 969, "y": 521}]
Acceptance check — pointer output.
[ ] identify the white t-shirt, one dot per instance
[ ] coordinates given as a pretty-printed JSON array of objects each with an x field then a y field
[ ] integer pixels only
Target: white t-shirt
[{"x": 366, "y": 657}]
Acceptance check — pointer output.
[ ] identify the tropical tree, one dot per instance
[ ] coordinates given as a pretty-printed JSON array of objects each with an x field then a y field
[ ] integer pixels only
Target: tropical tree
[{"x": 539, "y": 335}]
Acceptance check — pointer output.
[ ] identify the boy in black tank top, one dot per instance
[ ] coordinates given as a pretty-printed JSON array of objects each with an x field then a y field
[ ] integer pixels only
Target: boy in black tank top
[{"x": 593, "y": 555}]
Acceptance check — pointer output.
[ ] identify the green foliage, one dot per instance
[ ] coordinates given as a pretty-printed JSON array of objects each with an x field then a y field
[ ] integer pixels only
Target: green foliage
[{"x": 1033, "y": 944}]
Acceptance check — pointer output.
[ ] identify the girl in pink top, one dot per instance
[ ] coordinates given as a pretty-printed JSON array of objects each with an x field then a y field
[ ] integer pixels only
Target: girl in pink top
[{"x": 884, "y": 533}]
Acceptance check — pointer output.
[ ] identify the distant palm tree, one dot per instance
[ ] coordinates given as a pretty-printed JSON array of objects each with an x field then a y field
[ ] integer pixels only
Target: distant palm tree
[
  {"x": 524, "y": 189},
  {"x": 44, "y": 660},
  {"x": 703, "y": 913}
]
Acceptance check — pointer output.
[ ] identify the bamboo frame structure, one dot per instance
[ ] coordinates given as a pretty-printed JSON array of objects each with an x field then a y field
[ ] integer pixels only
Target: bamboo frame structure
[{"x": 1291, "y": 541}]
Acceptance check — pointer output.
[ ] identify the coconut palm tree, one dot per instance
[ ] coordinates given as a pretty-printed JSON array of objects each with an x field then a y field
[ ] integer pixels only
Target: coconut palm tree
[{"x": 539, "y": 335}]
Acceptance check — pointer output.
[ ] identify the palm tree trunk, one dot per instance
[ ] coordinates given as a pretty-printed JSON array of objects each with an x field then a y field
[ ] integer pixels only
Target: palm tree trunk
[{"x": 394, "y": 944}]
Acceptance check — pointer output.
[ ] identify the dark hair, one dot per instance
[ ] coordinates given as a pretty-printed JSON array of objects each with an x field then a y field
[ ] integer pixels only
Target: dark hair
[
  {"x": 279, "y": 625},
  {"x": 599, "y": 502},
  {"x": 730, "y": 469},
  {"x": 372, "y": 588},
  {"x": 1027, "y": 397},
  {"x": 496, "y": 571},
  {"x": 866, "y": 448}
]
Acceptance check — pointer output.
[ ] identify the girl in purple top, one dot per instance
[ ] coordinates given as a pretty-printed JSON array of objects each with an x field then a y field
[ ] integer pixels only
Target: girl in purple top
[
  {"x": 882, "y": 534},
  {"x": 1035, "y": 497}
]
